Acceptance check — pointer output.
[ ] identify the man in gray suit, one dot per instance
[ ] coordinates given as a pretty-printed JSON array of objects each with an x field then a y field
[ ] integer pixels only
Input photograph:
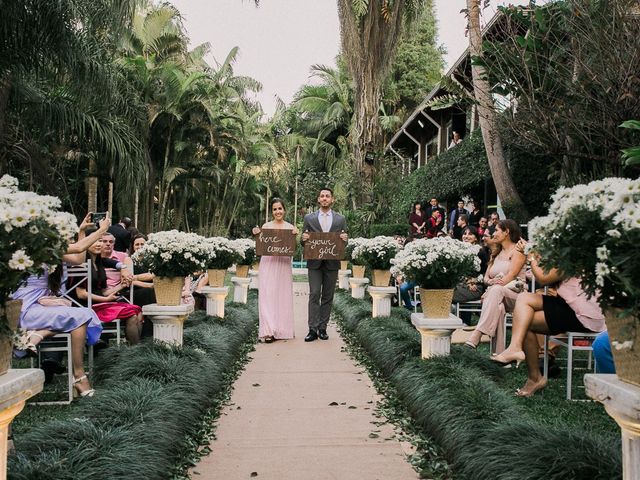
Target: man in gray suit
[{"x": 322, "y": 273}]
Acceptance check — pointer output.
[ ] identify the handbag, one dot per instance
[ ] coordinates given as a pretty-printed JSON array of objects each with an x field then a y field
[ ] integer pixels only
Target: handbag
[
  {"x": 516, "y": 285},
  {"x": 52, "y": 301}
]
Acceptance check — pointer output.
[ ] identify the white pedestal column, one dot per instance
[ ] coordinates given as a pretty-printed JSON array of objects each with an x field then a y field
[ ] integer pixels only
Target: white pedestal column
[
  {"x": 16, "y": 386},
  {"x": 622, "y": 402},
  {"x": 168, "y": 321},
  {"x": 343, "y": 279},
  {"x": 215, "y": 300},
  {"x": 240, "y": 289},
  {"x": 255, "y": 280},
  {"x": 381, "y": 297},
  {"x": 357, "y": 286},
  {"x": 435, "y": 333}
]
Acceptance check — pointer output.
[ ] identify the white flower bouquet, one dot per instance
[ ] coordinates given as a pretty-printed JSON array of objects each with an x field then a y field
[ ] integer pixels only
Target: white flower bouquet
[
  {"x": 173, "y": 254},
  {"x": 221, "y": 253},
  {"x": 376, "y": 253},
  {"x": 246, "y": 250},
  {"x": 593, "y": 232},
  {"x": 437, "y": 263},
  {"x": 351, "y": 246},
  {"x": 33, "y": 234}
]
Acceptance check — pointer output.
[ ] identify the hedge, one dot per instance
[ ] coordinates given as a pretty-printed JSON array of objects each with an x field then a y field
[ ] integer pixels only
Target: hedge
[
  {"x": 484, "y": 430},
  {"x": 149, "y": 408},
  {"x": 388, "y": 229}
]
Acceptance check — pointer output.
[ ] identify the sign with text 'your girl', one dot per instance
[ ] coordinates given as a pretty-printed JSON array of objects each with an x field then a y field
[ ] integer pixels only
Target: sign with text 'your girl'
[{"x": 324, "y": 246}]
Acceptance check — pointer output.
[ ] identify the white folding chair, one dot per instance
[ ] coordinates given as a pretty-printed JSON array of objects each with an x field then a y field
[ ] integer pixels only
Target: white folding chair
[{"x": 573, "y": 341}]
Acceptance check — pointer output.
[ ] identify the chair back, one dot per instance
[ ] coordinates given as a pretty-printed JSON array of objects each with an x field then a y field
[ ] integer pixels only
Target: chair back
[{"x": 77, "y": 275}]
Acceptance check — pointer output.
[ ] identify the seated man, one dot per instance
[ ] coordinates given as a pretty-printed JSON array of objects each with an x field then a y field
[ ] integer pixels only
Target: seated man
[{"x": 116, "y": 277}]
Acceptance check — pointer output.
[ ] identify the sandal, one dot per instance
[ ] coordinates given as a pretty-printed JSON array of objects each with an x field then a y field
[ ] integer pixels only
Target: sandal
[
  {"x": 268, "y": 339},
  {"x": 83, "y": 393},
  {"x": 470, "y": 345}
]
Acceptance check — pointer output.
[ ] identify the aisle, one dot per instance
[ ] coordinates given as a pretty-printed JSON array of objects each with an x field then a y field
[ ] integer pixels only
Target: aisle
[{"x": 303, "y": 411}]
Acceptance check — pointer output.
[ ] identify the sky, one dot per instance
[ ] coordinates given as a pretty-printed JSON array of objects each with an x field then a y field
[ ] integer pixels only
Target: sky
[{"x": 280, "y": 40}]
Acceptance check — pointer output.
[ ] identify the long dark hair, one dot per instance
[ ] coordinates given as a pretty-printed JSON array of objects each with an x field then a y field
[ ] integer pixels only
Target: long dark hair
[
  {"x": 54, "y": 282},
  {"x": 506, "y": 225}
]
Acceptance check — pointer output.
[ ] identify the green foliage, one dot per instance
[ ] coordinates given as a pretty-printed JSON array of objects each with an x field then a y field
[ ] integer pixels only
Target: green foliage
[
  {"x": 631, "y": 155},
  {"x": 417, "y": 66},
  {"x": 147, "y": 416},
  {"x": 463, "y": 170},
  {"x": 484, "y": 430},
  {"x": 388, "y": 229}
]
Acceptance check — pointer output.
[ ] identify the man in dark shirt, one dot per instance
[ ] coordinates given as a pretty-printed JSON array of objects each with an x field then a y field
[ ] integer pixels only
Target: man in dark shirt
[
  {"x": 453, "y": 219},
  {"x": 433, "y": 205},
  {"x": 121, "y": 233},
  {"x": 461, "y": 225}
]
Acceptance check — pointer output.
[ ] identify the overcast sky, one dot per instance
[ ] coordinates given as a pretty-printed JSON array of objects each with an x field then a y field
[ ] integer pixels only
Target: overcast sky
[{"x": 280, "y": 40}]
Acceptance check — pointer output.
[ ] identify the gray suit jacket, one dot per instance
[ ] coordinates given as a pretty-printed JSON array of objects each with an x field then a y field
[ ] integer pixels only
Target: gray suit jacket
[{"x": 312, "y": 224}]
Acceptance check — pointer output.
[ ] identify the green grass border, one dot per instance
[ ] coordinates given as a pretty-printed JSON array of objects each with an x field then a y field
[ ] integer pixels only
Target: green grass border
[
  {"x": 152, "y": 415},
  {"x": 465, "y": 402}
]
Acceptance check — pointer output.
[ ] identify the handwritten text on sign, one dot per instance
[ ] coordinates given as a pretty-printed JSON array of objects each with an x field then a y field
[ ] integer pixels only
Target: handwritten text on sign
[
  {"x": 324, "y": 246},
  {"x": 276, "y": 243}
]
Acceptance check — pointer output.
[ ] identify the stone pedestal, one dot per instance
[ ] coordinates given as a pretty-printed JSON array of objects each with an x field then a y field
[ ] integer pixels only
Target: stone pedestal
[
  {"x": 622, "y": 402},
  {"x": 357, "y": 286},
  {"x": 381, "y": 297},
  {"x": 215, "y": 300},
  {"x": 240, "y": 289},
  {"x": 435, "y": 333},
  {"x": 255, "y": 280},
  {"x": 343, "y": 279},
  {"x": 168, "y": 321},
  {"x": 16, "y": 386}
]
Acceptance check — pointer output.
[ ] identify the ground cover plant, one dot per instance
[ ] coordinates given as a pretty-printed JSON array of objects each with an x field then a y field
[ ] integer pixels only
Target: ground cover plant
[
  {"x": 466, "y": 403},
  {"x": 151, "y": 415}
]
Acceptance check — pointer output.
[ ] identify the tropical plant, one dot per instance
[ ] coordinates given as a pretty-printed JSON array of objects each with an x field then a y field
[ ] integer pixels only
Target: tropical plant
[{"x": 632, "y": 154}]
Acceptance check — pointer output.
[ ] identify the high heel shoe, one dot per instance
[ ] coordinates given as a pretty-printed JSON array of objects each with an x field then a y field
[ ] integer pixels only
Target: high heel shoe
[
  {"x": 83, "y": 393},
  {"x": 470, "y": 344},
  {"x": 508, "y": 362}
]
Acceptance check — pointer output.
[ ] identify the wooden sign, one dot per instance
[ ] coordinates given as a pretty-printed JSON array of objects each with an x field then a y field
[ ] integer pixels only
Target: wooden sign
[
  {"x": 276, "y": 242},
  {"x": 324, "y": 246}
]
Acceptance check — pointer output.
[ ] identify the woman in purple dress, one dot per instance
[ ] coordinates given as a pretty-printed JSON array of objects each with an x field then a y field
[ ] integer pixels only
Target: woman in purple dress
[
  {"x": 275, "y": 294},
  {"x": 44, "y": 321}
]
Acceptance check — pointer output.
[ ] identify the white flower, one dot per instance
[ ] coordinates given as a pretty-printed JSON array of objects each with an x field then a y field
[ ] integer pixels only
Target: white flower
[
  {"x": 602, "y": 269},
  {"x": 20, "y": 260},
  {"x": 614, "y": 233},
  {"x": 602, "y": 253}
]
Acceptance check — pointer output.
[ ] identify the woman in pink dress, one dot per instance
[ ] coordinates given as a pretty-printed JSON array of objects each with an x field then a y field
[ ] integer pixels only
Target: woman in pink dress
[
  {"x": 507, "y": 263},
  {"x": 275, "y": 295}
]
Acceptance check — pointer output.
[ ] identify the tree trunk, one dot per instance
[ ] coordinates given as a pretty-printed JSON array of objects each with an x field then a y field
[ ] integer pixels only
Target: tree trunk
[
  {"x": 92, "y": 186},
  {"x": 506, "y": 189},
  {"x": 368, "y": 44},
  {"x": 5, "y": 90}
]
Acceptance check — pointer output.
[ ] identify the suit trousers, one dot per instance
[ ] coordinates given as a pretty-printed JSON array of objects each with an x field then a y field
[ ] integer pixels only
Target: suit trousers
[{"x": 322, "y": 285}]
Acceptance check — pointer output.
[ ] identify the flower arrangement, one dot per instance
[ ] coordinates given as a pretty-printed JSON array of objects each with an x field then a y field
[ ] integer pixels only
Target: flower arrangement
[
  {"x": 376, "y": 253},
  {"x": 593, "y": 232},
  {"x": 173, "y": 254},
  {"x": 221, "y": 253},
  {"x": 34, "y": 234},
  {"x": 437, "y": 263},
  {"x": 246, "y": 250},
  {"x": 351, "y": 246}
]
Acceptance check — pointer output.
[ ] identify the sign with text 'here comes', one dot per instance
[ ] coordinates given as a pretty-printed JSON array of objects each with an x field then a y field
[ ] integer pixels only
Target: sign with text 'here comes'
[{"x": 276, "y": 243}]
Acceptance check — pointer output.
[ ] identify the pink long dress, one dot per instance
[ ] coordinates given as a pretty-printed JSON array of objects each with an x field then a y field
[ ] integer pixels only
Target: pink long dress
[
  {"x": 275, "y": 298},
  {"x": 497, "y": 301}
]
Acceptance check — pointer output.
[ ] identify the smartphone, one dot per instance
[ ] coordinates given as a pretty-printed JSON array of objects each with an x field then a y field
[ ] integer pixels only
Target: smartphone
[{"x": 97, "y": 216}]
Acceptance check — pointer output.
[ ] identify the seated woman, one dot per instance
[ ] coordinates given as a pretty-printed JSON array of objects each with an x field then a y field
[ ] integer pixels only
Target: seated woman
[
  {"x": 570, "y": 311},
  {"x": 43, "y": 316},
  {"x": 104, "y": 301},
  {"x": 470, "y": 289},
  {"x": 506, "y": 264}
]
